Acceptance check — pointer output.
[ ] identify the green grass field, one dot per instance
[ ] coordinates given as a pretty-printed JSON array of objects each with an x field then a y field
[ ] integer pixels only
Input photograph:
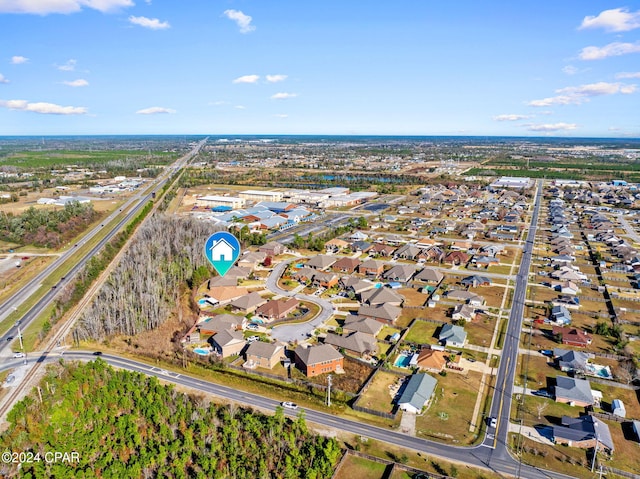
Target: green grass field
[{"x": 49, "y": 158}]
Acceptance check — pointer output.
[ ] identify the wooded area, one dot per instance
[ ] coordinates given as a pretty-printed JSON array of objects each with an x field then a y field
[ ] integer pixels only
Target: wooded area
[
  {"x": 142, "y": 290},
  {"x": 46, "y": 227},
  {"x": 126, "y": 424}
]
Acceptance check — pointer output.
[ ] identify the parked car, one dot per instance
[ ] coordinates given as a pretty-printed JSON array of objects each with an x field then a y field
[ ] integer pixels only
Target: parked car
[
  {"x": 493, "y": 422},
  {"x": 289, "y": 405},
  {"x": 18, "y": 355},
  {"x": 251, "y": 339},
  {"x": 252, "y": 326}
]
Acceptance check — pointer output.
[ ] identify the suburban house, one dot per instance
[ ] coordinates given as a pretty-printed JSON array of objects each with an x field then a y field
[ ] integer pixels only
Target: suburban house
[
  {"x": 432, "y": 360},
  {"x": 417, "y": 393},
  {"x": 346, "y": 265},
  {"x": 221, "y": 322},
  {"x": 457, "y": 258},
  {"x": 353, "y": 323},
  {"x": 221, "y": 295},
  {"x": 228, "y": 342},
  {"x": 408, "y": 251},
  {"x": 400, "y": 272},
  {"x": 264, "y": 355},
  {"x": 381, "y": 249},
  {"x": 475, "y": 281},
  {"x": 325, "y": 280},
  {"x": 585, "y": 432},
  {"x": 321, "y": 262},
  {"x": 465, "y": 312},
  {"x": 316, "y": 360},
  {"x": 560, "y": 315},
  {"x": 429, "y": 275},
  {"x": 251, "y": 260},
  {"x": 359, "y": 343},
  {"x": 452, "y": 335},
  {"x": 378, "y": 296},
  {"x": 386, "y": 313},
  {"x": 273, "y": 248},
  {"x": 573, "y": 336},
  {"x": 336, "y": 244},
  {"x": 572, "y": 391},
  {"x": 371, "y": 267},
  {"x": 355, "y": 285},
  {"x": 467, "y": 296},
  {"x": 221, "y": 281},
  {"x": 248, "y": 303},
  {"x": 571, "y": 361},
  {"x": 277, "y": 308}
]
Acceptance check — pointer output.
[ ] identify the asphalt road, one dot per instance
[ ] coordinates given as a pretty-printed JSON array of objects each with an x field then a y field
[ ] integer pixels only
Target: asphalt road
[
  {"x": 479, "y": 456},
  {"x": 300, "y": 331},
  {"x": 503, "y": 392},
  {"x": 24, "y": 293}
]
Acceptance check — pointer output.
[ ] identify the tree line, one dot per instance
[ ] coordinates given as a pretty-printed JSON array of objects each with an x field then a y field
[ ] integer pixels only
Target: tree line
[
  {"x": 125, "y": 424},
  {"x": 142, "y": 290}
]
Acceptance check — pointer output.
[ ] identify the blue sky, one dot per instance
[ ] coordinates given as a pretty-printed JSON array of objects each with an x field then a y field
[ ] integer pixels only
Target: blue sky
[{"x": 414, "y": 67}]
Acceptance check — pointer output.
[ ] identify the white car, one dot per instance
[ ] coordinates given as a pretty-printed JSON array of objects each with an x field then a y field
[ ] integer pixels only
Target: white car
[
  {"x": 251, "y": 339},
  {"x": 18, "y": 355},
  {"x": 289, "y": 405},
  {"x": 252, "y": 327},
  {"x": 493, "y": 422}
]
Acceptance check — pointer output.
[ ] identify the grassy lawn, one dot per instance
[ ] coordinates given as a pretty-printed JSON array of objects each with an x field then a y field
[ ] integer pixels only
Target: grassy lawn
[
  {"x": 386, "y": 332},
  {"x": 378, "y": 394},
  {"x": 492, "y": 294},
  {"x": 499, "y": 269},
  {"x": 480, "y": 331},
  {"x": 451, "y": 409},
  {"x": 422, "y": 332},
  {"x": 353, "y": 466},
  {"x": 412, "y": 297}
]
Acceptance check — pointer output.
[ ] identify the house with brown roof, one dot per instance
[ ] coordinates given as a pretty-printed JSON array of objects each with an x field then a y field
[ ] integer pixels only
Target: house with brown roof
[
  {"x": 359, "y": 343},
  {"x": 431, "y": 360},
  {"x": 321, "y": 262},
  {"x": 346, "y": 265},
  {"x": 400, "y": 272},
  {"x": 228, "y": 342},
  {"x": 247, "y": 303},
  {"x": 272, "y": 248},
  {"x": 355, "y": 285},
  {"x": 371, "y": 267},
  {"x": 573, "y": 336},
  {"x": 429, "y": 276},
  {"x": 353, "y": 323},
  {"x": 325, "y": 280},
  {"x": 319, "y": 359},
  {"x": 457, "y": 258},
  {"x": 277, "y": 308},
  {"x": 336, "y": 244},
  {"x": 264, "y": 355},
  {"x": 221, "y": 295},
  {"x": 377, "y": 296},
  {"x": 221, "y": 322},
  {"x": 381, "y": 249},
  {"x": 386, "y": 313},
  {"x": 251, "y": 260}
]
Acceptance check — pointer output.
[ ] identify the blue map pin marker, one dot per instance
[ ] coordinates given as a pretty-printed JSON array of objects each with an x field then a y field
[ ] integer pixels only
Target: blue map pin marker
[{"x": 222, "y": 249}]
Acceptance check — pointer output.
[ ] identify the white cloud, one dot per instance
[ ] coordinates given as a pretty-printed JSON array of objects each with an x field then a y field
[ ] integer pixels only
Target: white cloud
[
  {"x": 219, "y": 103},
  {"x": 570, "y": 70},
  {"x": 276, "y": 78},
  {"x": 247, "y": 79},
  {"x": 77, "y": 83},
  {"x": 243, "y": 21},
  {"x": 18, "y": 60},
  {"x": 283, "y": 96},
  {"x": 623, "y": 75},
  {"x": 152, "y": 23},
  {"x": 44, "y": 7},
  {"x": 3, "y": 79},
  {"x": 155, "y": 110},
  {"x": 510, "y": 117},
  {"x": 576, "y": 95},
  {"x": 614, "y": 20},
  {"x": 552, "y": 127},
  {"x": 240, "y": 107},
  {"x": 281, "y": 115},
  {"x": 69, "y": 66},
  {"x": 614, "y": 49},
  {"x": 43, "y": 107}
]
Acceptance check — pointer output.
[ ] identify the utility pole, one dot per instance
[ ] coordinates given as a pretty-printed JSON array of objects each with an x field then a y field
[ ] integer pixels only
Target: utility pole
[
  {"x": 595, "y": 451},
  {"x": 329, "y": 390},
  {"x": 20, "y": 338}
]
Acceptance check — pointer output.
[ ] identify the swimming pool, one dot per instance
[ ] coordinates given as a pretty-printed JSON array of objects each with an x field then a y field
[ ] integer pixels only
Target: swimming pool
[
  {"x": 202, "y": 302},
  {"x": 298, "y": 265},
  {"x": 378, "y": 285},
  {"x": 402, "y": 361},
  {"x": 599, "y": 371},
  {"x": 257, "y": 320},
  {"x": 202, "y": 351}
]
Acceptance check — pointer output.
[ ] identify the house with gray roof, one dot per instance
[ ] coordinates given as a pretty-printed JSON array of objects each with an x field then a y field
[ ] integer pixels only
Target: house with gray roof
[
  {"x": 584, "y": 432},
  {"x": 386, "y": 313},
  {"x": 228, "y": 342},
  {"x": 358, "y": 343},
  {"x": 417, "y": 393},
  {"x": 264, "y": 355},
  {"x": 466, "y": 296},
  {"x": 381, "y": 296},
  {"x": 248, "y": 303},
  {"x": 452, "y": 335},
  {"x": 321, "y": 262},
  {"x": 355, "y": 285},
  {"x": 429, "y": 275},
  {"x": 571, "y": 361},
  {"x": 400, "y": 272},
  {"x": 354, "y": 323},
  {"x": 573, "y": 391},
  {"x": 319, "y": 359}
]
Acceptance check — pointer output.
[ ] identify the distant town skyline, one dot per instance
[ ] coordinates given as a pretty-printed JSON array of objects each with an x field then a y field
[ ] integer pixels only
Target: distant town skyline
[{"x": 499, "y": 68}]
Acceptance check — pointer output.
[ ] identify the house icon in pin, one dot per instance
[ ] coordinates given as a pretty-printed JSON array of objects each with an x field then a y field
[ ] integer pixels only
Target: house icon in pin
[{"x": 221, "y": 251}]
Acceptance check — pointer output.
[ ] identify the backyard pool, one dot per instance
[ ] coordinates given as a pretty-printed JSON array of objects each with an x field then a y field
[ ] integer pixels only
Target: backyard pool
[
  {"x": 402, "y": 361},
  {"x": 202, "y": 351},
  {"x": 378, "y": 285},
  {"x": 257, "y": 321},
  {"x": 202, "y": 302},
  {"x": 600, "y": 371}
]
